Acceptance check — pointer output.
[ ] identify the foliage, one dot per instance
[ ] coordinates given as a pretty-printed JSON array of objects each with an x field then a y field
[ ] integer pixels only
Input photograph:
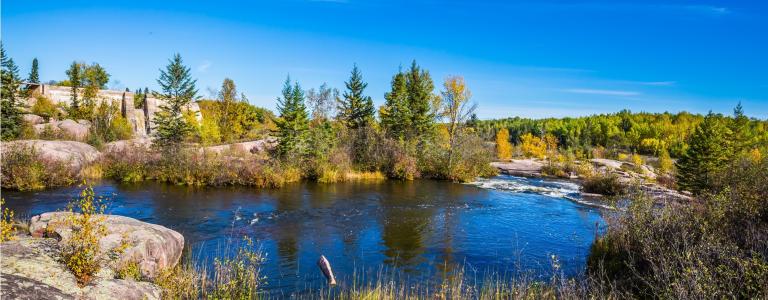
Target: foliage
[
  {"x": 532, "y": 146},
  {"x": 604, "y": 184},
  {"x": 81, "y": 252},
  {"x": 10, "y": 115},
  {"x": 708, "y": 153},
  {"x": 34, "y": 72},
  {"x": 238, "y": 276},
  {"x": 321, "y": 102},
  {"x": 129, "y": 271},
  {"x": 666, "y": 164},
  {"x": 395, "y": 113},
  {"x": 7, "y": 232},
  {"x": 713, "y": 247},
  {"x": 355, "y": 109},
  {"x": 45, "y": 108},
  {"x": 177, "y": 90},
  {"x": 24, "y": 169},
  {"x": 503, "y": 146},
  {"x": 108, "y": 125},
  {"x": 293, "y": 122}
]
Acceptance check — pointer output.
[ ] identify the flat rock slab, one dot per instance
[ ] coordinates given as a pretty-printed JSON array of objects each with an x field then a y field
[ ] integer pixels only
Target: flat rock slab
[
  {"x": 32, "y": 269},
  {"x": 520, "y": 167},
  {"x": 152, "y": 247}
]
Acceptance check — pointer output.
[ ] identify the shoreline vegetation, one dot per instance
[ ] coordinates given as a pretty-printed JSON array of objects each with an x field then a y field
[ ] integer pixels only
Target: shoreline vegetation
[{"x": 711, "y": 244}]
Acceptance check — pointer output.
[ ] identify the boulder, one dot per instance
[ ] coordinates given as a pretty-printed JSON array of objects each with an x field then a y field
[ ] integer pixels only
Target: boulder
[
  {"x": 152, "y": 247},
  {"x": 520, "y": 167},
  {"x": 118, "y": 146},
  {"x": 76, "y": 153},
  {"x": 610, "y": 163},
  {"x": 74, "y": 129},
  {"x": 31, "y": 269},
  {"x": 33, "y": 119},
  {"x": 258, "y": 146}
]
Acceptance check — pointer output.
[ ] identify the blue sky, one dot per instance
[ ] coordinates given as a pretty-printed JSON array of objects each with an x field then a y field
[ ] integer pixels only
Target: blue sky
[{"x": 519, "y": 58}]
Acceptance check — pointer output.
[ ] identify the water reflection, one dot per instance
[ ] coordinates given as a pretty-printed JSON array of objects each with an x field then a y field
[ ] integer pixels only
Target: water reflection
[{"x": 424, "y": 229}]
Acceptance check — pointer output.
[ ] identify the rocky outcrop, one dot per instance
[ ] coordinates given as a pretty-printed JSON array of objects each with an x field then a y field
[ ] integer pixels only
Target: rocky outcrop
[
  {"x": 77, "y": 154},
  {"x": 258, "y": 146},
  {"x": 118, "y": 146},
  {"x": 520, "y": 167},
  {"x": 33, "y": 119},
  {"x": 152, "y": 247},
  {"x": 32, "y": 269}
]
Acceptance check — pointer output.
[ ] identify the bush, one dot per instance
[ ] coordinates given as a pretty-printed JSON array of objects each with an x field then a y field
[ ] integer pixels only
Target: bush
[
  {"x": 7, "y": 231},
  {"x": 604, "y": 184},
  {"x": 45, "y": 108},
  {"x": 24, "y": 169},
  {"x": 81, "y": 252}
]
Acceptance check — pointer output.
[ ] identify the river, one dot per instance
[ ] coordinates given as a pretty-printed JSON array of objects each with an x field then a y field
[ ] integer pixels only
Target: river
[{"x": 415, "y": 230}]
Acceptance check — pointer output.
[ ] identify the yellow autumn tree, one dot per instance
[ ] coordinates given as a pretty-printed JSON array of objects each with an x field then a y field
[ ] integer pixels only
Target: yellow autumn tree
[
  {"x": 533, "y": 146},
  {"x": 503, "y": 146},
  {"x": 551, "y": 145}
]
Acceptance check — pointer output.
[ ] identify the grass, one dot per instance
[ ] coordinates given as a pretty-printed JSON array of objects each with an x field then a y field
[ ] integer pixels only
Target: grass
[{"x": 23, "y": 168}]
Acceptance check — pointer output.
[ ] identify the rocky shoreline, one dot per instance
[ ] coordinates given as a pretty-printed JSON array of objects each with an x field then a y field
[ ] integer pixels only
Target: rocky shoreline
[
  {"x": 645, "y": 182},
  {"x": 32, "y": 266}
]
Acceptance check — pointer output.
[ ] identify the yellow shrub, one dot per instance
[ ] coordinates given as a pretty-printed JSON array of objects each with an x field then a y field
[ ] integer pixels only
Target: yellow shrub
[
  {"x": 503, "y": 146},
  {"x": 81, "y": 252},
  {"x": 533, "y": 146},
  {"x": 6, "y": 224}
]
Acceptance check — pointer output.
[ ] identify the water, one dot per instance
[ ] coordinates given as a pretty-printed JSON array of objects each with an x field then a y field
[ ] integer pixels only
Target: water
[{"x": 417, "y": 230}]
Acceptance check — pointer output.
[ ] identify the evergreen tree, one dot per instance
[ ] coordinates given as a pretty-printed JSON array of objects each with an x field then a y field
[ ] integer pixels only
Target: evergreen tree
[
  {"x": 708, "y": 153},
  {"x": 294, "y": 120},
  {"x": 355, "y": 109},
  {"x": 10, "y": 114},
  {"x": 420, "y": 87},
  {"x": 740, "y": 129},
  {"x": 74, "y": 82},
  {"x": 177, "y": 91},
  {"x": 395, "y": 115},
  {"x": 34, "y": 73}
]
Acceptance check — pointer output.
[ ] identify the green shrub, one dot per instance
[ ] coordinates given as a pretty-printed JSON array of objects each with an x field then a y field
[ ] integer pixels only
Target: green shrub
[{"x": 604, "y": 184}]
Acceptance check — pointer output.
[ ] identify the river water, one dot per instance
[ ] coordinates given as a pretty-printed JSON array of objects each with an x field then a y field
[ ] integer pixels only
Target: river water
[{"x": 416, "y": 230}]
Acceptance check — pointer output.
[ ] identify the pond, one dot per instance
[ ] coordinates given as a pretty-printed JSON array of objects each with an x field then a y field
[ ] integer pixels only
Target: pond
[{"x": 418, "y": 230}]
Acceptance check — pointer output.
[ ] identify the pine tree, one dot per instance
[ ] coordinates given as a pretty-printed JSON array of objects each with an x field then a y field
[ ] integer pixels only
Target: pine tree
[
  {"x": 420, "y": 95},
  {"x": 10, "y": 114},
  {"x": 177, "y": 91},
  {"x": 34, "y": 73},
  {"x": 294, "y": 120},
  {"x": 740, "y": 129},
  {"x": 707, "y": 154},
  {"x": 395, "y": 115},
  {"x": 355, "y": 109}
]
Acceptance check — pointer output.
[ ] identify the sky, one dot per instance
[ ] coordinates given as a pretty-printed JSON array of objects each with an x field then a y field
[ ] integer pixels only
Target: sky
[{"x": 519, "y": 58}]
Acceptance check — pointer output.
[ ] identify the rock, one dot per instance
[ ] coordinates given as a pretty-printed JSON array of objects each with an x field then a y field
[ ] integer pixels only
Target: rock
[
  {"x": 610, "y": 163},
  {"x": 31, "y": 269},
  {"x": 118, "y": 146},
  {"x": 152, "y": 247},
  {"x": 258, "y": 146},
  {"x": 76, "y": 153},
  {"x": 33, "y": 119},
  {"x": 84, "y": 123},
  {"x": 74, "y": 129},
  {"x": 520, "y": 167}
]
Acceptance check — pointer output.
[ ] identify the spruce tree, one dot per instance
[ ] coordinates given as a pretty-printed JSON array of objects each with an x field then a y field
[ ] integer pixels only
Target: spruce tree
[
  {"x": 708, "y": 153},
  {"x": 740, "y": 129},
  {"x": 10, "y": 114},
  {"x": 355, "y": 109},
  {"x": 75, "y": 80},
  {"x": 34, "y": 73},
  {"x": 294, "y": 120},
  {"x": 420, "y": 95},
  {"x": 395, "y": 115},
  {"x": 177, "y": 91}
]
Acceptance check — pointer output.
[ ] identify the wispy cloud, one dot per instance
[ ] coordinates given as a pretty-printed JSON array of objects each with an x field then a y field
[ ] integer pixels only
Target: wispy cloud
[
  {"x": 202, "y": 68},
  {"x": 602, "y": 92},
  {"x": 656, "y": 83}
]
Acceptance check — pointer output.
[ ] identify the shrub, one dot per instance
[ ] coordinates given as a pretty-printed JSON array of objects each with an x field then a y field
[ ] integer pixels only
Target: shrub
[
  {"x": 24, "y": 169},
  {"x": 7, "y": 231},
  {"x": 238, "y": 276},
  {"x": 81, "y": 252},
  {"x": 604, "y": 184},
  {"x": 130, "y": 271},
  {"x": 532, "y": 146},
  {"x": 45, "y": 108},
  {"x": 503, "y": 146}
]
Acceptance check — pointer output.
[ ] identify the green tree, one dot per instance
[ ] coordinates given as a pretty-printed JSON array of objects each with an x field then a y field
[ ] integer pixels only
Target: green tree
[
  {"x": 34, "y": 73},
  {"x": 228, "y": 114},
  {"x": 708, "y": 153},
  {"x": 420, "y": 101},
  {"x": 741, "y": 132},
  {"x": 355, "y": 109},
  {"x": 10, "y": 81},
  {"x": 177, "y": 91},
  {"x": 294, "y": 120},
  {"x": 74, "y": 78},
  {"x": 395, "y": 114},
  {"x": 94, "y": 78}
]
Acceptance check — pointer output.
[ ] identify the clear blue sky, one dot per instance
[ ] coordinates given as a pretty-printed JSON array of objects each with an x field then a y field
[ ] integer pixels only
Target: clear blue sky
[{"x": 520, "y": 58}]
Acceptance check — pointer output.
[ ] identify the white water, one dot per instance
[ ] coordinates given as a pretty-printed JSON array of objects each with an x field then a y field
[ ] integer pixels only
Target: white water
[{"x": 549, "y": 188}]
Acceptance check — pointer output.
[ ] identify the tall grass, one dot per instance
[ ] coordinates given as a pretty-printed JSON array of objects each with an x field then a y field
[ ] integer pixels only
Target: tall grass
[{"x": 23, "y": 168}]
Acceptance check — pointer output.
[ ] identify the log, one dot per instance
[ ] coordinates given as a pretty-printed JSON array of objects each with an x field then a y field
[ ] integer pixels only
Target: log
[{"x": 325, "y": 266}]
